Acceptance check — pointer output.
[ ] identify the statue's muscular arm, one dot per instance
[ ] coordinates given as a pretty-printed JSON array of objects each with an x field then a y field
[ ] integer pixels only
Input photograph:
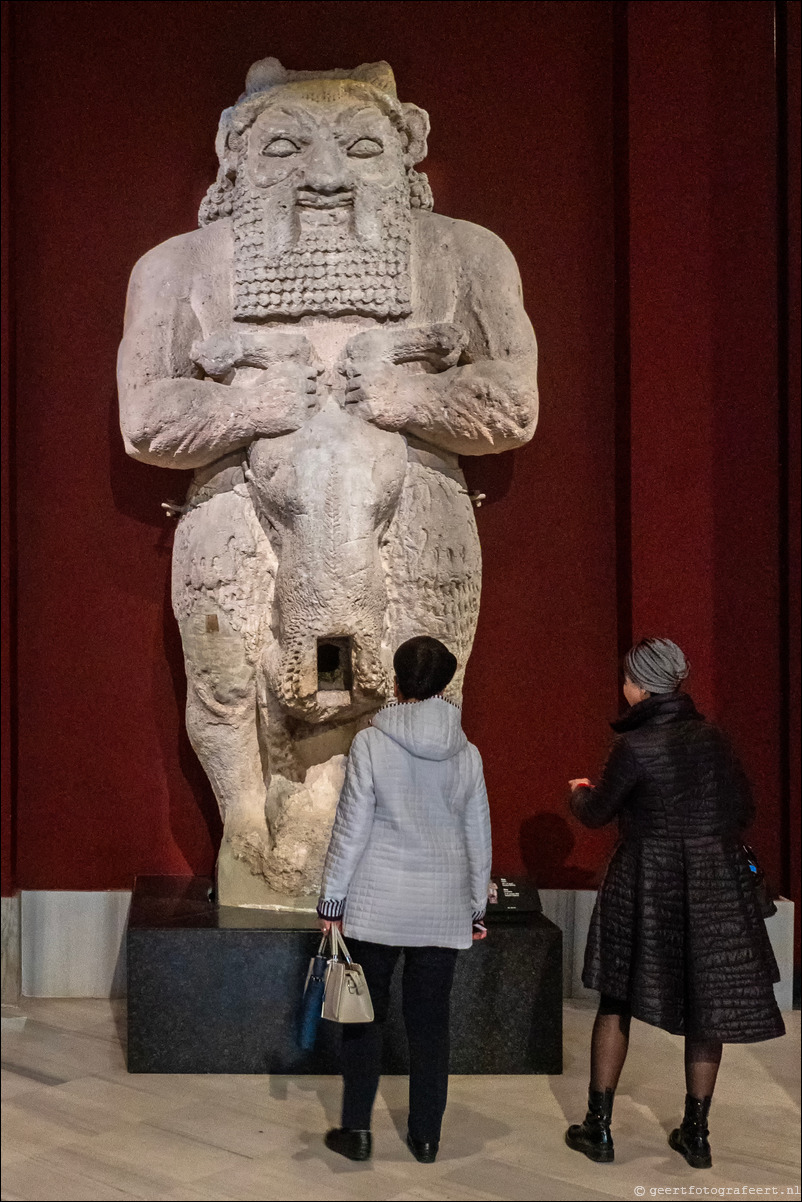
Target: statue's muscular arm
[
  {"x": 486, "y": 404},
  {"x": 171, "y": 413}
]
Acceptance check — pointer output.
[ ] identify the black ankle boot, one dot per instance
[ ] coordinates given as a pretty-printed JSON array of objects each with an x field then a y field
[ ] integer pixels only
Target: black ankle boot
[
  {"x": 356, "y": 1145},
  {"x": 593, "y": 1136},
  {"x": 424, "y": 1150},
  {"x": 690, "y": 1138}
]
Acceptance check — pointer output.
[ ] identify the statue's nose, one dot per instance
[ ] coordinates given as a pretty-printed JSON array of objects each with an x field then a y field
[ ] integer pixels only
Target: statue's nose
[{"x": 326, "y": 168}]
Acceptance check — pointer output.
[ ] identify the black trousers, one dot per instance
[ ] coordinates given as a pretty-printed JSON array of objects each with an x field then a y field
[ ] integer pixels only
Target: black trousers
[{"x": 426, "y": 995}]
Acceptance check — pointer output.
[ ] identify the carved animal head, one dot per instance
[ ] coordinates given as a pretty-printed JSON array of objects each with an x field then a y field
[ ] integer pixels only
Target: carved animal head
[{"x": 326, "y": 495}]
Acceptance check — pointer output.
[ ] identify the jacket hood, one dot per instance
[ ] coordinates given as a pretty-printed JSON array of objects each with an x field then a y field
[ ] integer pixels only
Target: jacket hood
[
  {"x": 660, "y": 708},
  {"x": 430, "y": 730}
]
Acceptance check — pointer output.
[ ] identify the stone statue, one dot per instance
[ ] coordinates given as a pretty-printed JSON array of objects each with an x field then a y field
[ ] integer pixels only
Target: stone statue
[{"x": 320, "y": 351}]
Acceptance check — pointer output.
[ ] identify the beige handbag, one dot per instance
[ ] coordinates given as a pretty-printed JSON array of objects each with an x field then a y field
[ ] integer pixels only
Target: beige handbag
[{"x": 346, "y": 998}]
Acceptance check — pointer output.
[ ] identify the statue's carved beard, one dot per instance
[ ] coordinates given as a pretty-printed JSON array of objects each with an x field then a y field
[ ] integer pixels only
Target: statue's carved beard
[{"x": 293, "y": 259}]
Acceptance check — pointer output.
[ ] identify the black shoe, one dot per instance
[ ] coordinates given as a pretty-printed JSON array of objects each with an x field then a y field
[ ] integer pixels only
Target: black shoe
[
  {"x": 355, "y": 1145},
  {"x": 690, "y": 1138},
  {"x": 424, "y": 1150},
  {"x": 593, "y": 1136}
]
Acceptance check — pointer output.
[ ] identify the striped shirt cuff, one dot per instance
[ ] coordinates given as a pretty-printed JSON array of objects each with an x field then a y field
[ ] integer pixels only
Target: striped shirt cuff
[
  {"x": 330, "y": 908},
  {"x": 478, "y": 915}
]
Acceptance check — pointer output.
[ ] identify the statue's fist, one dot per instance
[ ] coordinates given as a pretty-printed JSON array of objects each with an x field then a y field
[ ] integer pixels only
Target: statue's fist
[
  {"x": 281, "y": 398},
  {"x": 274, "y": 371},
  {"x": 379, "y": 393},
  {"x": 379, "y": 386}
]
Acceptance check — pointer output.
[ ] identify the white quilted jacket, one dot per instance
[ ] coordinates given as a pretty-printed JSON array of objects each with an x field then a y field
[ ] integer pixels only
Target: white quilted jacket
[{"x": 408, "y": 863}]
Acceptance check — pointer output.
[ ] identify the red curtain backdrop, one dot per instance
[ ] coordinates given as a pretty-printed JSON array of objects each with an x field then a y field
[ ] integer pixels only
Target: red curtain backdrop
[{"x": 628, "y": 155}]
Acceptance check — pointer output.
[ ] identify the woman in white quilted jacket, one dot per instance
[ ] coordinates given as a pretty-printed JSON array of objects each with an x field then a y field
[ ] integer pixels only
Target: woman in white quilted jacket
[{"x": 407, "y": 870}]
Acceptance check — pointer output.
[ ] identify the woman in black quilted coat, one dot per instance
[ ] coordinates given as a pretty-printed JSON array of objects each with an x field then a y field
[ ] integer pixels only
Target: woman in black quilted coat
[{"x": 677, "y": 936}]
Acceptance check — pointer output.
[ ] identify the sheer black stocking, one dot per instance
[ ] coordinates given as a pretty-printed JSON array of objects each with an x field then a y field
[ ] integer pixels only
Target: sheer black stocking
[
  {"x": 609, "y": 1045},
  {"x": 702, "y": 1058}
]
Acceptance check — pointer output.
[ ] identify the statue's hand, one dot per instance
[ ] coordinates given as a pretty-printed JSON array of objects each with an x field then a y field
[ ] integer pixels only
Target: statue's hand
[
  {"x": 275, "y": 371},
  {"x": 280, "y": 398},
  {"x": 379, "y": 394},
  {"x": 380, "y": 388}
]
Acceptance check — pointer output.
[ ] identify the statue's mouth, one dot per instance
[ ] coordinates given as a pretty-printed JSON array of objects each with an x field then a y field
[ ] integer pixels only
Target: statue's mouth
[{"x": 308, "y": 198}]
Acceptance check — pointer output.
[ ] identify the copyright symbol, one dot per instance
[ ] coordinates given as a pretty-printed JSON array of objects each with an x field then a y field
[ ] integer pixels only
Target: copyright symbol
[{"x": 640, "y": 1190}]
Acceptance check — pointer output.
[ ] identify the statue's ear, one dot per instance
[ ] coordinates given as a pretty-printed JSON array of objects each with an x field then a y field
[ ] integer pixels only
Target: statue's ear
[
  {"x": 228, "y": 145},
  {"x": 417, "y": 123}
]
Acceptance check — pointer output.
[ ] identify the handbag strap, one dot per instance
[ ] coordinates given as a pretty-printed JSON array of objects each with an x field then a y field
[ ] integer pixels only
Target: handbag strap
[
  {"x": 338, "y": 945},
  {"x": 752, "y": 861}
]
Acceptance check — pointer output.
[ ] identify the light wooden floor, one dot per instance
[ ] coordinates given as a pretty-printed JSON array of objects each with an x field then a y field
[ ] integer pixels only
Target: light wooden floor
[{"x": 77, "y": 1126}]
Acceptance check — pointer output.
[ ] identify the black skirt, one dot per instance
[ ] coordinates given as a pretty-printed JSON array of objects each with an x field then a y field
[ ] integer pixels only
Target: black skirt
[{"x": 677, "y": 933}]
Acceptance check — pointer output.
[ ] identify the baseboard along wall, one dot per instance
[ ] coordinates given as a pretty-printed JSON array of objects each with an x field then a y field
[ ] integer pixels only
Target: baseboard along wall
[{"x": 72, "y": 944}]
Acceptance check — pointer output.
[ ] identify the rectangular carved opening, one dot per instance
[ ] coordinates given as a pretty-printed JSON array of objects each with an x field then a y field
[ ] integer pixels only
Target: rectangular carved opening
[{"x": 334, "y": 674}]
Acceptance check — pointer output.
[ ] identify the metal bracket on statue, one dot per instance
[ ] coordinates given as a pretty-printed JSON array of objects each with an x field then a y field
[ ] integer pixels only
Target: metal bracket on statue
[{"x": 174, "y": 509}]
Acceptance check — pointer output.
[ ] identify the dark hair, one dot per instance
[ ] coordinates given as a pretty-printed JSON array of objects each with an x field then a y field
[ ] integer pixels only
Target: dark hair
[{"x": 423, "y": 667}]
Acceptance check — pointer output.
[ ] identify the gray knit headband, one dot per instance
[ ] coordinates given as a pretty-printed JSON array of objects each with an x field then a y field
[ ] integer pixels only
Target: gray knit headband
[{"x": 656, "y": 665}]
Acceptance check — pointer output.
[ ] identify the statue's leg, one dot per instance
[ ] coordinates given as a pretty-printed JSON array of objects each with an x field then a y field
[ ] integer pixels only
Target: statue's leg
[
  {"x": 433, "y": 564},
  {"x": 222, "y": 726},
  {"x": 223, "y": 572},
  {"x": 307, "y": 769}
]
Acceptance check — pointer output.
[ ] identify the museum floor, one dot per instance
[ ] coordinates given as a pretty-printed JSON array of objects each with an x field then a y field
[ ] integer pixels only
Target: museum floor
[{"x": 76, "y": 1125}]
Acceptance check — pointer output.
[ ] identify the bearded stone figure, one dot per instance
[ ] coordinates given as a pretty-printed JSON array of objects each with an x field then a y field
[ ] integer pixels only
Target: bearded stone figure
[{"x": 320, "y": 351}]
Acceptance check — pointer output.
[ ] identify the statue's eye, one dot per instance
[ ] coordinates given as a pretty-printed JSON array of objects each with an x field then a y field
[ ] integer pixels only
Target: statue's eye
[
  {"x": 280, "y": 148},
  {"x": 365, "y": 148}
]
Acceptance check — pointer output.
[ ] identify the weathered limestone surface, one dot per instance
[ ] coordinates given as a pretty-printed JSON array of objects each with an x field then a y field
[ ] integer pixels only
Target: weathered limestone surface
[{"x": 320, "y": 351}]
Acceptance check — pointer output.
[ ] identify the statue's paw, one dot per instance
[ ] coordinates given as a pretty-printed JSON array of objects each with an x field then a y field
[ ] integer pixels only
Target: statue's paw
[
  {"x": 438, "y": 343},
  {"x": 217, "y": 354}
]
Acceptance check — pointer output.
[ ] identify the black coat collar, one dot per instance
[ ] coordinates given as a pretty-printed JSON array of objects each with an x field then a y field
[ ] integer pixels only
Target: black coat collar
[{"x": 660, "y": 708}]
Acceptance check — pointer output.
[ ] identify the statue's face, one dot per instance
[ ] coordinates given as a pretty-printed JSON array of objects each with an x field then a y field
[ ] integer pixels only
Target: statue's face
[
  {"x": 326, "y": 147},
  {"x": 321, "y": 209}
]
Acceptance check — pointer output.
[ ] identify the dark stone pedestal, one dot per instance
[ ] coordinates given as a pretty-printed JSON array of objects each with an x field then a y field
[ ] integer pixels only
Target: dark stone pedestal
[{"x": 213, "y": 989}]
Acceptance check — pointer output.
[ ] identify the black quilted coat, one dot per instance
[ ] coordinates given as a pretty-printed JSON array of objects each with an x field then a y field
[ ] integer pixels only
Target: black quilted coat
[{"x": 676, "y": 930}]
